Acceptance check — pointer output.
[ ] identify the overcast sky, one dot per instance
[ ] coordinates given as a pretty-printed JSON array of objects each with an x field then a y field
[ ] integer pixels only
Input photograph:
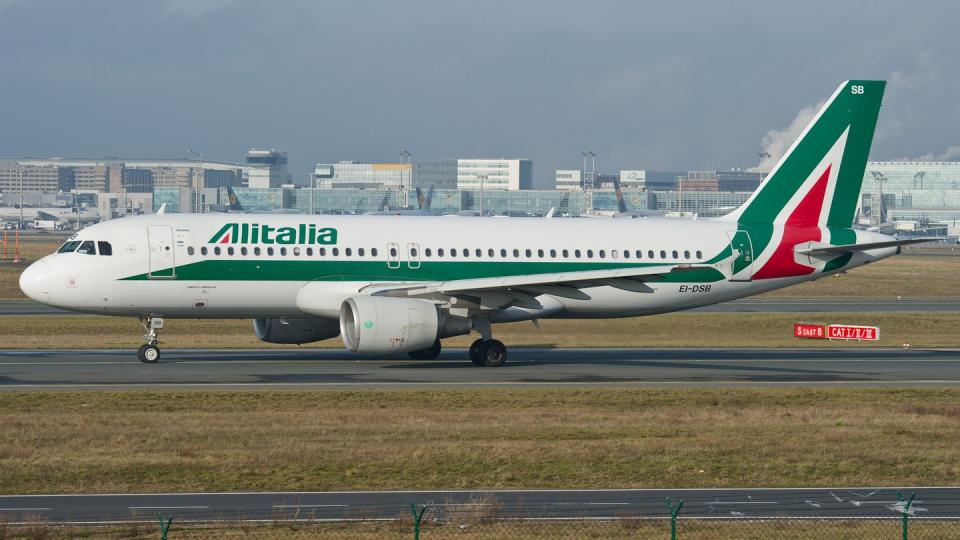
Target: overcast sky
[{"x": 656, "y": 85}]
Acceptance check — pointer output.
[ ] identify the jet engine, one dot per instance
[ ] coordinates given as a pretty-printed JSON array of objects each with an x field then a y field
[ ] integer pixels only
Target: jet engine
[
  {"x": 295, "y": 331},
  {"x": 376, "y": 324}
]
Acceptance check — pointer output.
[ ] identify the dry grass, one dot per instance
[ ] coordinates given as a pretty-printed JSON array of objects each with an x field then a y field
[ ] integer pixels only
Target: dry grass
[
  {"x": 352, "y": 440},
  {"x": 745, "y": 529},
  {"x": 670, "y": 330}
]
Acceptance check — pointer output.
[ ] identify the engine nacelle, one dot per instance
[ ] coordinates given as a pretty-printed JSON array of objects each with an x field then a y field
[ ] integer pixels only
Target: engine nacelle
[
  {"x": 295, "y": 331},
  {"x": 377, "y": 324}
]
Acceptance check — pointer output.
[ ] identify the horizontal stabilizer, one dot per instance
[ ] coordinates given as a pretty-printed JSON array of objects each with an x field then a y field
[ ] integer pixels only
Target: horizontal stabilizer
[{"x": 854, "y": 248}]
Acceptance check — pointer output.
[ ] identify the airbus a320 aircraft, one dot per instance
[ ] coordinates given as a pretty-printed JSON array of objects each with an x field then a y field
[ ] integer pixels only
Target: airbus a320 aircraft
[{"x": 400, "y": 284}]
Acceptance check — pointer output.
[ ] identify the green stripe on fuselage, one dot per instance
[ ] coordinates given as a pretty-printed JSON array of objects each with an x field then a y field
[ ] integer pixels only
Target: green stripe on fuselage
[{"x": 326, "y": 270}]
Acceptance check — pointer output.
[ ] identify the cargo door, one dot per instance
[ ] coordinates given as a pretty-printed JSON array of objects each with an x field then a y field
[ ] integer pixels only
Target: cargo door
[{"x": 161, "y": 253}]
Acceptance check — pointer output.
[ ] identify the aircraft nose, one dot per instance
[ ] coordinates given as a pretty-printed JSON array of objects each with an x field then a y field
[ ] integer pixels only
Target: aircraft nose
[{"x": 35, "y": 281}]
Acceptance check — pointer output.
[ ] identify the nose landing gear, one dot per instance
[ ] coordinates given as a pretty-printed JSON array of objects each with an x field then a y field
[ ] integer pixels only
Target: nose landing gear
[{"x": 149, "y": 353}]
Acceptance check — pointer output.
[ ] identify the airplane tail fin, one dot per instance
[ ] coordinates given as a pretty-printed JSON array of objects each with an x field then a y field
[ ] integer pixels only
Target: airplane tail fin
[
  {"x": 234, "y": 205},
  {"x": 817, "y": 182},
  {"x": 621, "y": 204}
]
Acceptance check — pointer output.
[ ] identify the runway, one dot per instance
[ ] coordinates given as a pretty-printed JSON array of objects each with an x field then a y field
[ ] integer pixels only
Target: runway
[
  {"x": 533, "y": 368},
  {"x": 528, "y": 504},
  {"x": 747, "y": 305}
]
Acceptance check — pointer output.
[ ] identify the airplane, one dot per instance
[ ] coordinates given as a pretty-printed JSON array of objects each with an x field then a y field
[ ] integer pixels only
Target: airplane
[{"x": 401, "y": 284}]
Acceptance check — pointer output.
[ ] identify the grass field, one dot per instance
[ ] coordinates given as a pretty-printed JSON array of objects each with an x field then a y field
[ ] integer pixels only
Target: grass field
[
  {"x": 915, "y": 276},
  {"x": 698, "y": 329},
  {"x": 142, "y": 441}
]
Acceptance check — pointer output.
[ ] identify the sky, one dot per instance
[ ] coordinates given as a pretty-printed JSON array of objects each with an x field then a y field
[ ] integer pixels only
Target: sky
[{"x": 680, "y": 85}]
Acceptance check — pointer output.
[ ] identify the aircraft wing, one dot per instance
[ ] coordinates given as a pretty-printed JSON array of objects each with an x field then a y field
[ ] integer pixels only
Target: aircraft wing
[
  {"x": 499, "y": 292},
  {"x": 827, "y": 250}
]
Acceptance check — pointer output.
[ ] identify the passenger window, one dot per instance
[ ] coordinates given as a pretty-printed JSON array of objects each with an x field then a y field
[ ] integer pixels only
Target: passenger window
[
  {"x": 686, "y": 254},
  {"x": 603, "y": 254},
  {"x": 230, "y": 250},
  {"x": 440, "y": 252},
  {"x": 296, "y": 251},
  {"x": 453, "y": 252},
  {"x": 490, "y": 253},
  {"x": 87, "y": 248},
  {"x": 373, "y": 251},
  {"x": 106, "y": 249},
  {"x": 243, "y": 251},
  {"x": 699, "y": 254},
  {"x": 626, "y": 253},
  {"x": 528, "y": 253},
  {"x": 428, "y": 252},
  {"x": 256, "y": 251},
  {"x": 553, "y": 254},
  {"x": 479, "y": 252},
  {"x": 413, "y": 252},
  {"x": 613, "y": 253},
  {"x": 203, "y": 250},
  {"x": 576, "y": 253},
  {"x": 189, "y": 250},
  {"x": 348, "y": 252},
  {"x": 322, "y": 252},
  {"x": 503, "y": 253},
  {"x": 69, "y": 247},
  {"x": 589, "y": 253},
  {"x": 639, "y": 254},
  {"x": 283, "y": 251},
  {"x": 335, "y": 251},
  {"x": 310, "y": 252},
  {"x": 466, "y": 253},
  {"x": 216, "y": 250},
  {"x": 650, "y": 254},
  {"x": 393, "y": 252},
  {"x": 270, "y": 251},
  {"x": 566, "y": 254},
  {"x": 540, "y": 253},
  {"x": 359, "y": 251},
  {"x": 663, "y": 254},
  {"x": 675, "y": 254},
  {"x": 516, "y": 253}
]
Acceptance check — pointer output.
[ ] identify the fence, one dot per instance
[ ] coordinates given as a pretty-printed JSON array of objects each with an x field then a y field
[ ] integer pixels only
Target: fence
[{"x": 843, "y": 515}]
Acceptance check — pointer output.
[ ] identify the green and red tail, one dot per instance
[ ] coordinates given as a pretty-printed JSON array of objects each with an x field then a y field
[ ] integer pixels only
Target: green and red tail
[{"x": 812, "y": 192}]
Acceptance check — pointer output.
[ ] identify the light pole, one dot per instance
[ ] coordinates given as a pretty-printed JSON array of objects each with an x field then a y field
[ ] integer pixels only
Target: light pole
[
  {"x": 20, "y": 174},
  {"x": 919, "y": 176},
  {"x": 592, "y": 171},
  {"x": 879, "y": 178},
  {"x": 482, "y": 178},
  {"x": 680, "y": 187},
  {"x": 404, "y": 153},
  {"x": 197, "y": 208}
]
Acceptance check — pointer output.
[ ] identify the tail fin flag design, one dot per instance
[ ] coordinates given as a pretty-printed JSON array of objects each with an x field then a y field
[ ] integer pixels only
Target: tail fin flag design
[{"x": 835, "y": 146}]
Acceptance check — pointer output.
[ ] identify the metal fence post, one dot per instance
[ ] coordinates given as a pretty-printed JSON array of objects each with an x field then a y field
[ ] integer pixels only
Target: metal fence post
[
  {"x": 674, "y": 510},
  {"x": 164, "y": 527},
  {"x": 417, "y": 518},
  {"x": 905, "y": 511}
]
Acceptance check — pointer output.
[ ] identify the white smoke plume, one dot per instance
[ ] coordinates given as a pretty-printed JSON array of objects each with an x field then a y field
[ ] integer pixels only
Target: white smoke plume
[{"x": 777, "y": 141}]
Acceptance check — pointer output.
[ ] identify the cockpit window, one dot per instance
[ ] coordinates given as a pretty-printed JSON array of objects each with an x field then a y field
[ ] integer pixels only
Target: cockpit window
[
  {"x": 87, "y": 248},
  {"x": 104, "y": 247},
  {"x": 69, "y": 247}
]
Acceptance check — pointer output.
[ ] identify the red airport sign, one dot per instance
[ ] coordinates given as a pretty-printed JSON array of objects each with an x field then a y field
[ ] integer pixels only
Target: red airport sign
[
  {"x": 853, "y": 332},
  {"x": 809, "y": 331}
]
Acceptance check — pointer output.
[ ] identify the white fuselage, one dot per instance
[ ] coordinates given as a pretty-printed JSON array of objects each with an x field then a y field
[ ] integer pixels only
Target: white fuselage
[{"x": 176, "y": 270}]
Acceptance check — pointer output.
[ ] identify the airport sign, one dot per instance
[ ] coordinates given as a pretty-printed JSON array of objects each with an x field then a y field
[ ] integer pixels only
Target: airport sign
[
  {"x": 853, "y": 332},
  {"x": 809, "y": 331}
]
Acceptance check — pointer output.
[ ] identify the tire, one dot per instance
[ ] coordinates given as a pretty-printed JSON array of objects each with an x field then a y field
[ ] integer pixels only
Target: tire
[
  {"x": 475, "y": 352},
  {"x": 493, "y": 353},
  {"x": 148, "y": 354},
  {"x": 430, "y": 353}
]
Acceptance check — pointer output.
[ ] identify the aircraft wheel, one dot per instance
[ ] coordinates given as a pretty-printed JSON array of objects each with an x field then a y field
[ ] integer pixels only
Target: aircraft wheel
[
  {"x": 493, "y": 353},
  {"x": 429, "y": 353},
  {"x": 148, "y": 354},
  {"x": 475, "y": 352}
]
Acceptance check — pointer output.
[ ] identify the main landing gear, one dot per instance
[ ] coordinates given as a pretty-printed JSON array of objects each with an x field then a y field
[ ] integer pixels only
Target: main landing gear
[
  {"x": 429, "y": 353},
  {"x": 487, "y": 351},
  {"x": 149, "y": 353}
]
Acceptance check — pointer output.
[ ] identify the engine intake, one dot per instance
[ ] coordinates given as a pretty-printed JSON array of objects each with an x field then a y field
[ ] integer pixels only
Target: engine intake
[
  {"x": 295, "y": 331},
  {"x": 376, "y": 324}
]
